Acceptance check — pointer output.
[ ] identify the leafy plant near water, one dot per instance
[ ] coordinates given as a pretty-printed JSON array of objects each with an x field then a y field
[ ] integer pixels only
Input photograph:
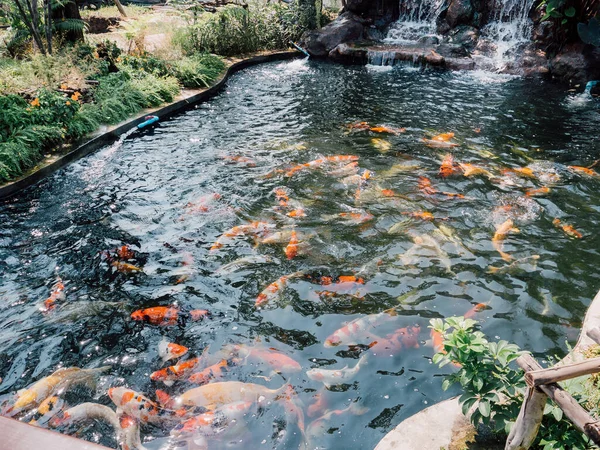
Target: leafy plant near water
[
  {"x": 494, "y": 387},
  {"x": 590, "y": 33}
]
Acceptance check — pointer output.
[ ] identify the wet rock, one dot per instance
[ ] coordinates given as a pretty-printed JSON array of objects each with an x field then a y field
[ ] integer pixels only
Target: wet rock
[
  {"x": 346, "y": 28},
  {"x": 372, "y": 33},
  {"x": 459, "y": 12},
  {"x": 465, "y": 35},
  {"x": 459, "y": 64},
  {"x": 358, "y": 6},
  {"x": 430, "y": 39},
  {"x": 346, "y": 54},
  {"x": 577, "y": 64},
  {"x": 452, "y": 51}
]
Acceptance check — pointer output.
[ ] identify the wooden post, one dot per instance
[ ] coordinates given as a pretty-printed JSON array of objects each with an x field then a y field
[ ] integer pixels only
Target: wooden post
[
  {"x": 561, "y": 373},
  {"x": 576, "y": 414},
  {"x": 594, "y": 334},
  {"x": 526, "y": 428}
]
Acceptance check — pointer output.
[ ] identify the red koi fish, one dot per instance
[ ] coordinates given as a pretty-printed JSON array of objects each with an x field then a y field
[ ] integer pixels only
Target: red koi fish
[
  {"x": 165, "y": 315},
  {"x": 169, "y": 375},
  {"x": 359, "y": 329},
  {"x": 448, "y": 166},
  {"x": 56, "y": 295}
]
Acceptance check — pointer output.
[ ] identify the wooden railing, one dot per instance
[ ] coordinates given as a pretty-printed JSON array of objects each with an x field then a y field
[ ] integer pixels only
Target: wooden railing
[{"x": 541, "y": 385}]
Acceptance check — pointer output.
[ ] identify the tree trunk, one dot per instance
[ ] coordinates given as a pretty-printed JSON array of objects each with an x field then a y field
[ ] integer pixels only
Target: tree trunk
[
  {"x": 120, "y": 8},
  {"x": 70, "y": 10},
  {"x": 33, "y": 27}
]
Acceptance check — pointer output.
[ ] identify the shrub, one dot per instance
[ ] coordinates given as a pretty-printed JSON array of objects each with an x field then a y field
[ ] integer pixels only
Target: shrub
[{"x": 198, "y": 71}]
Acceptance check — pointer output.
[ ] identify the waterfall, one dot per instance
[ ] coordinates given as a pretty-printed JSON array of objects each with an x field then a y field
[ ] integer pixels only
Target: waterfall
[
  {"x": 417, "y": 18},
  {"x": 509, "y": 29},
  {"x": 381, "y": 57}
]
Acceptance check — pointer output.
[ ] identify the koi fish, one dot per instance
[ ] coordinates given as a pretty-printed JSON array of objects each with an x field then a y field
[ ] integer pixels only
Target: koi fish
[
  {"x": 241, "y": 263},
  {"x": 211, "y": 373},
  {"x": 356, "y": 218},
  {"x": 181, "y": 370},
  {"x": 319, "y": 405},
  {"x": 124, "y": 267},
  {"x": 249, "y": 162},
  {"x": 443, "y": 137},
  {"x": 448, "y": 166},
  {"x": 421, "y": 215},
  {"x": 438, "y": 144},
  {"x": 272, "y": 291},
  {"x": 291, "y": 251},
  {"x": 388, "y": 130},
  {"x": 513, "y": 266},
  {"x": 62, "y": 379},
  {"x": 341, "y": 158},
  {"x": 212, "y": 423},
  {"x": 48, "y": 411},
  {"x": 276, "y": 238},
  {"x": 187, "y": 270},
  {"x": 479, "y": 307},
  {"x": 56, "y": 295},
  {"x": 124, "y": 252},
  {"x": 425, "y": 186},
  {"x": 525, "y": 172},
  {"x": 381, "y": 144},
  {"x": 397, "y": 169},
  {"x": 203, "y": 204},
  {"x": 169, "y": 350},
  {"x": 470, "y": 170},
  {"x": 87, "y": 411},
  {"x": 140, "y": 407},
  {"x": 437, "y": 341},
  {"x": 402, "y": 338},
  {"x": 166, "y": 315},
  {"x": 584, "y": 171},
  {"x": 425, "y": 241},
  {"x": 129, "y": 438},
  {"x": 361, "y": 126},
  {"x": 216, "y": 394},
  {"x": 276, "y": 360},
  {"x": 319, "y": 427},
  {"x": 537, "y": 192},
  {"x": 348, "y": 169},
  {"x": 502, "y": 231},
  {"x": 281, "y": 196},
  {"x": 568, "y": 229},
  {"x": 388, "y": 193},
  {"x": 336, "y": 377},
  {"x": 257, "y": 229},
  {"x": 354, "y": 331}
]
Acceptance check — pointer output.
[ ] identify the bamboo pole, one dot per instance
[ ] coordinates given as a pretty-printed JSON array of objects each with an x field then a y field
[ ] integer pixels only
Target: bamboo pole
[
  {"x": 524, "y": 431},
  {"x": 576, "y": 414},
  {"x": 594, "y": 334},
  {"x": 561, "y": 373}
]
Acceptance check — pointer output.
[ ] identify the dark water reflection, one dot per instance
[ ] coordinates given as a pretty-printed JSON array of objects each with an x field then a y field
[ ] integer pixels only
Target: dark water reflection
[{"x": 279, "y": 114}]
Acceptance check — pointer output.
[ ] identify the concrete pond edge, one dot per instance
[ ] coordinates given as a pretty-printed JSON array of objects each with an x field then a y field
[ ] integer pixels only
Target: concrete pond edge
[
  {"x": 443, "y": 425},
  {"x": 186, "y": 100}
]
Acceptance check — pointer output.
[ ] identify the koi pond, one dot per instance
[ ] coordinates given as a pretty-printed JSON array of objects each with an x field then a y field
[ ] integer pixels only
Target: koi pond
[{"x": 309, "y": 217}]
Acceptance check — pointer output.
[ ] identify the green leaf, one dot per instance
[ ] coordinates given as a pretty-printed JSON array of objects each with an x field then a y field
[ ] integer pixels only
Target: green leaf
[
  {"x": 484, "y": 408},
  {"x": 446, "y": 384},
  {"x": 570, "y": 12},
  {"x": 558, "y": 414}
]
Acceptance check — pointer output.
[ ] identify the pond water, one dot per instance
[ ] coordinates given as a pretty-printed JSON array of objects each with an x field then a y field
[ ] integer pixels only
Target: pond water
[{"x": 154, "y": 192}]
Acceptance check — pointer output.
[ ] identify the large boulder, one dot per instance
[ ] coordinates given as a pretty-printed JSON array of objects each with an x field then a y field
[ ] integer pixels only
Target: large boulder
[
  {"x": 576, "y": 64},
  {"x": 465, "y": 35},
  {"x": 348, "y": 27},
  {"x": 459, "y": 12}
]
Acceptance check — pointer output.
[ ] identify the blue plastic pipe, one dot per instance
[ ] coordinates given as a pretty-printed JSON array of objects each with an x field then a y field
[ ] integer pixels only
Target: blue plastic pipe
[
  {"x": 590, "y": 85},
  {"x": 149, "y": 120},
  {"x": 300, "y": 49}
]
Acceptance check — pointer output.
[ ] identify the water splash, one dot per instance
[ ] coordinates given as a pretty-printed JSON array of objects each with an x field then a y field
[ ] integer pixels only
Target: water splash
[
  {"x": 508, "y": 30},
  {"x": 417, "y": 19},
  {"x": 381, "y": 57}
]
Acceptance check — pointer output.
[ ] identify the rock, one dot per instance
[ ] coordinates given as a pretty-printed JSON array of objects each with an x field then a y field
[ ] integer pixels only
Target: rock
[
  {"x": 346, "y": 28},
  {"x": 346, "y": 54},
  {"x": 452, "y": 51},
  {"x": 465, "y": 35},
  {"x": 576, "y": 64},
  {"x": 430, "y": 39},
  {"x": 595, "y": 90},
  {"x": 459, "y": 12},
  {"x": 98, "y": 24},
  {"x": 459, "y": 64},
  {"x": 358, "y": 6},
  {"x": 372, "y": 33}
]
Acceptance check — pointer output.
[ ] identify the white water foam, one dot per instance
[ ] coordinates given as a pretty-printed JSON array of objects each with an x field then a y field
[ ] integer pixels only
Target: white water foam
[
  {"x": 417, "y": 19},
  {"x": 381, "y": 57}
]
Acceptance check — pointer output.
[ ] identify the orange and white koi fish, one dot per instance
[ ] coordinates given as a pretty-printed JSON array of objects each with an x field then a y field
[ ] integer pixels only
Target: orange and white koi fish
[
  {"x": 87, "y": 411},
  {"x": 515, "y": 265},
  {"x": 422, "y": 215},
  {"x": 166, "y": 315},
  {"x": 401, "y": 339},
  {"x": 443, "y": 137},
  {"x": 360, "y": 329},
  {"x": 356, "y": 217},
  {"x": 211, "y": 373},
  {"x": 276, "y": 360},
  {"x": 337, "y": 376},
  {"x": 179, "y": 371},
  {"x": 479, "y": 307},
  {"x": 470, "y": 170},
  {"x": 448, "y": 166},
  {"x": 169, "y": 350},
  {"x": 295, "y": 213},
  {"x": 256, "y": 229},
  {"x": 281, "y": 195},
  {"x": 319, "y": 427},
  {"x": 537, "y": 192},
  {"x": 60, "y": 380},
  {"x": 345, "y": 171},
  {"x": 277, "y": 237},
  {"x": 525, "y": 172},
  {"x": 124, "y": 267},
  {"x": 238, "y": 159},
  {"x": 361, "y": 126},
  {"x": 140, "y": 407},
  {"x": 212, "y": 423},
  {"x": 584, "y": 171},
  {"x": 568, "y": 229},
  {"x": 273, "y": 290},
  {"x": 318, "y": 407},
  {"x": 291, "y": 251},
  {"x": 432, "y": 143},
  {"x": 203, "y": 204},
  {"x": 213, "y": 395},
  {"x": 56, "y": 295},
  {"x": 129, "y": 437},
  {"x": 388, "y": 130},
  {"x": 502, "y": 231}
]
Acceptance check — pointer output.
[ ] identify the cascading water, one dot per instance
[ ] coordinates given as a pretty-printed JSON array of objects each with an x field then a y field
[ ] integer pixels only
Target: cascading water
[
  {"x": 381, "y": 57},
  {"x": 508, "y": 30},
  {"x": 417, "y": 18}
]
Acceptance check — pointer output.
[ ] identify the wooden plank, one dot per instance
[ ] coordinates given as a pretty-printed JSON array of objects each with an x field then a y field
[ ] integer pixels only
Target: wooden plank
[
  {"x": 561, "y": 373},
  {"x": 526, "y": 428},
  {"x": 22, "y": 436},
  {"x": 594, "y": 333},
  {"x": 576, "y": 414}
]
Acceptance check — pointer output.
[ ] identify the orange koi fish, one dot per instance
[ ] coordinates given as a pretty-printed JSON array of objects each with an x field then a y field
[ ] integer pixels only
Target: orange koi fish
[
  {"x": 170, "y": 374},
  {"x": 388, "y": 193},
  {"x": 318, "y": 406},
  {"x": 479, "y": 307},
  {"x": 165, "y": 315},
  {"x": 309, "y": 165},
  {"x": 224, "y": 392},
  {"x": 170, "y": 350},
  {"x": 124, "y": 252},
  {"x": 281, "y": 196},
  {"x": 56, "y": 295},
  {"x": 272, "y": 291},
  {"x": 437, "y": 341},
  {"x": 502, "y": 231},
  {"x": 203, "y": 204},
  {"x": 356, "y": 330},
  {"x": 422, "y": 215},
  {"x": 448, "y": 166},
  {"x": 443, "y": 137},
  {"x": 426, "y": 187},
  {"x": 403, "y": 338},
  {"x": 584, "y": 171},
  {"x": 525, "y": 172},
  {"x": 432, "y": 143},
  {"x": 341, "y": 158},
  {"x": 537, "y": 192},
  {"x": 297, "y": 213},
  {"x": 361, "y": 126},
  {"x": 255, "y": 229},
  {"x": 276, "y": 360},
  {"x": 292, "y": 248},
  {"x": 356, "y": 218},
  {"x": 211, "y": 373},
  {"x": 164, "y": 399},
  {"x": 211, "y": 423},
  {"x": 140, "y": 407},
  {"x": 470, "y": 170},
  {"x": 249, "y": 162},
  {"x": 388, "y": 130},
  {"x": 124, "y": 267},
  {"x": 568, "y": 229}
]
